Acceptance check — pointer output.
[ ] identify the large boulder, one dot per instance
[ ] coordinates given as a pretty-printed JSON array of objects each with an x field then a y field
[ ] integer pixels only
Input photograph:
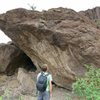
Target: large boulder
[{"x": 61, "y": 37}]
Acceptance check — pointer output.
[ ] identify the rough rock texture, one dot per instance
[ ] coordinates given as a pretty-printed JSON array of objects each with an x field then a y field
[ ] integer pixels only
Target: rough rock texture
[
  {"x": 11, "y": 88},
  {"x": 11, "y": 58},
  {"x": 62, "y": 38},
  {"x": 93, "y": 14},
  {"x": 27, "y": 83}
]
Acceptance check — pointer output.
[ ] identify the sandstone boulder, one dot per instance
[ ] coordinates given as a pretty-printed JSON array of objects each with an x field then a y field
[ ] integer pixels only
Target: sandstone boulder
[
  {"x": 61, "y": 37},
  {"x": 26, "y": 82}
]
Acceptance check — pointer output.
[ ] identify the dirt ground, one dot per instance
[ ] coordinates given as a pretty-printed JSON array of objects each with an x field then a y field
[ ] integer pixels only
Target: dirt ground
[{"x": 58, "y": 93}]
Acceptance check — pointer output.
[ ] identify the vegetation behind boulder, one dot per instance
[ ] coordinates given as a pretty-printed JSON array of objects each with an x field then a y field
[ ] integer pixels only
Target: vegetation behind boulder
[{"x": 88, "y": 86}]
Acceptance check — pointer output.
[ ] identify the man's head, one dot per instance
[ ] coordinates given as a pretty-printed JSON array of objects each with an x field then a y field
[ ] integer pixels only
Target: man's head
[{"x": 44, "y": 67}]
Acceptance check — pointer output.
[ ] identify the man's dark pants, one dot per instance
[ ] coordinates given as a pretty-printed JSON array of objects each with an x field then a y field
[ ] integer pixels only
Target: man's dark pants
[{"x": 44, "y": 95}]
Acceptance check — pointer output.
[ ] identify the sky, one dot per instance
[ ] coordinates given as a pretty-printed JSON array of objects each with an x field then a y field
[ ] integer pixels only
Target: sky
[{"x": 76, "y": 5}]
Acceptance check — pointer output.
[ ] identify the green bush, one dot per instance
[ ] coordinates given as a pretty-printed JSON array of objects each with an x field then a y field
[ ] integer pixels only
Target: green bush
[
  {"x": 0, "y": 97},
  {"x": 88, "y": 86}
]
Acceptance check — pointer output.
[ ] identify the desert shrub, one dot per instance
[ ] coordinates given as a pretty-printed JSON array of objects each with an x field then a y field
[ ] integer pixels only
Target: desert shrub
[
  {"x": 89, "y": 85},
  {"x": 32, "y": 7}
]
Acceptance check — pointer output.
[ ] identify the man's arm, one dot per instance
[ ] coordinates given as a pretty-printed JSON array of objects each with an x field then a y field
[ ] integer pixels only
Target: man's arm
[
  {"x": 50, "y": 88},
  {"x": 50, "y": 82}
]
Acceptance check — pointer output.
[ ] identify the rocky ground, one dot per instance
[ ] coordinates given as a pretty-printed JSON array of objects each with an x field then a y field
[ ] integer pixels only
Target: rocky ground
[
  {"x": 10, "y": 83},
  {"x": 12, "y": 88}
]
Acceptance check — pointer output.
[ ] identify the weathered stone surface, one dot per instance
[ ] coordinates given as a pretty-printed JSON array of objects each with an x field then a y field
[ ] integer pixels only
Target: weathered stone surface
[
  {"x": 7, "y": 54},
  {"x": 27, "y": 83},
  {"x": 60, "y": 37},
  {"x": 93, "y": 14},
  {"x": 11, "y": 58}
]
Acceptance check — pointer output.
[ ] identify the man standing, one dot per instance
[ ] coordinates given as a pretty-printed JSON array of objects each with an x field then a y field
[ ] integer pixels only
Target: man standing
[{"x": 44, "y": 84}]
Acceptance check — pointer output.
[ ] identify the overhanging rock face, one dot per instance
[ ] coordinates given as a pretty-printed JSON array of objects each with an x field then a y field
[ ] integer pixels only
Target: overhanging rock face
[
  {"x": 59, "y": 37},
  {"x": 11, "y": 58}
]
